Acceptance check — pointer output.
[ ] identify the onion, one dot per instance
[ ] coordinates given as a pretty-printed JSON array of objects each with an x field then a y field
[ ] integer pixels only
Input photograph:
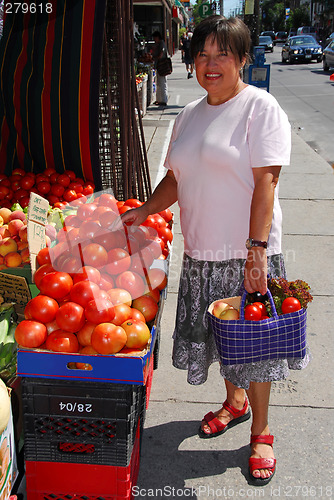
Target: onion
[{"x": 4, "y": 406}]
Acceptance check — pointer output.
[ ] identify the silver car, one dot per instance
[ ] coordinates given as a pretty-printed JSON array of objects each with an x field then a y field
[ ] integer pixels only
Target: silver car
[{"x": 328, "y": 57}]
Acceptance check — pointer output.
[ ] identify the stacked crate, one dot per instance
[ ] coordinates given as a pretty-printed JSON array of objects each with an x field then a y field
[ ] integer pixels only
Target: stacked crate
[
  {"x": 82, "y": 436},
  {"x": 82, "y": 439}
]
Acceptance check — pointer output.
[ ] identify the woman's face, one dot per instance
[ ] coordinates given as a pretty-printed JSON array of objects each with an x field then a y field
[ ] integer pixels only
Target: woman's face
[{"x": 217, "y": 71}]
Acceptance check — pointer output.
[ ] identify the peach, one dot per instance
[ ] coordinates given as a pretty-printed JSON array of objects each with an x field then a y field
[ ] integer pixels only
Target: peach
[
  {"x": 229, "y": 314},
  {"x": 14, "y": 226},
  {"x": 4, "y": 233},
  {"x": 2, "y": 266},
  {"x": 1, "y": 221},
  {"x": 219, "y": 307},
  {"x": 17, "y": 214},
  {"x": 13, "y": 259},
  {"x": 23, "y": 233},
  {"x": 2, "y": 260},
  {"x": 25, "y": 256},
  {"x": 5, "y": 213},
  {"x": 8, "y": 245},
  {"x": 21, "y": 245}
]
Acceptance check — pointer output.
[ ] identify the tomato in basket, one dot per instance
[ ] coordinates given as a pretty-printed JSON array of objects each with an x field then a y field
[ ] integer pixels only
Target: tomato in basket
[
  {"x": 252, "y": 312},
  {"x": 290, "y": 304}
]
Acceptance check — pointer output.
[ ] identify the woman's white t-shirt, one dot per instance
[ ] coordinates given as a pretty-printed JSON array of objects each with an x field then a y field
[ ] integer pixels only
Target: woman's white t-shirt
[{"x": 212, "y": 152}]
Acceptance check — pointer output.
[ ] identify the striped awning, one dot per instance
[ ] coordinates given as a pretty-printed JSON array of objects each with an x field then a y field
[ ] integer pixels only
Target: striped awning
[{"x": 49, "y": 94}]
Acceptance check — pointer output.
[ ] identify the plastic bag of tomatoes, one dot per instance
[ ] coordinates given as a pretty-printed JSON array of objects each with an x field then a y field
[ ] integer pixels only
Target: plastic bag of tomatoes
[{"x": 262, "y": 332}]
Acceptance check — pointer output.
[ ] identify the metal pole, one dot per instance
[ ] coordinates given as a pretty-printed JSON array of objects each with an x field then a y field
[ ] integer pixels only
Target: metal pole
[{"x": 221, "y": 7}]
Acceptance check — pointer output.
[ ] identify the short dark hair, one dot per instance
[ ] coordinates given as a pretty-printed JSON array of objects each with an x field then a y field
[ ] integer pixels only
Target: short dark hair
[
  {"x": 157, "y": 34},
  {"x": 230, "y": 34}
]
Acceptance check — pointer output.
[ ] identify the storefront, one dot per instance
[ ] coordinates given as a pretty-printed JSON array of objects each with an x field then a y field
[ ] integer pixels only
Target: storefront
[{"x": 151, "y": 16}]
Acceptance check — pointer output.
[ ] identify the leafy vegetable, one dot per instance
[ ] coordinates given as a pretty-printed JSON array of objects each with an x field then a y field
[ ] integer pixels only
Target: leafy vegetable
[{"x": 281, "y": 289}]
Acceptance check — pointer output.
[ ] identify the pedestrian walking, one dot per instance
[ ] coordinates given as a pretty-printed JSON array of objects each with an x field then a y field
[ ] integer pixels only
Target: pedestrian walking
[
  {"x": 223, "y": 166},
  {"x": 188, "y": 60},
  {"x": 160, "y": 52},
  {"x": 182, "y": 39}
]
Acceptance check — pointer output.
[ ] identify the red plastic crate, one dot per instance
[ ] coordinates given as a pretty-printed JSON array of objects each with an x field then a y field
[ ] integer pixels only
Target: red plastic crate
[{"x": 71, "y": 481}]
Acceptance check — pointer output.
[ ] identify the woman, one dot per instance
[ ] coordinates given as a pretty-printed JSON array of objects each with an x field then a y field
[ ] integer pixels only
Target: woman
[
  {"x": 160, "y": 52},
  {"x": 223, "y": 162}
]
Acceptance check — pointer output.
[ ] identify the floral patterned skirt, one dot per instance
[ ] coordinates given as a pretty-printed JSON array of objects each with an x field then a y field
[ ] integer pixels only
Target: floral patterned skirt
[{"x": 202, "y": 282}]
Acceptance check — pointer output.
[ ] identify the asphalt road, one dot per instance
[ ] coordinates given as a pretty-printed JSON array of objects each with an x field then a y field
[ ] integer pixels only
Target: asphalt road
[{"x": 306, "y": 94}]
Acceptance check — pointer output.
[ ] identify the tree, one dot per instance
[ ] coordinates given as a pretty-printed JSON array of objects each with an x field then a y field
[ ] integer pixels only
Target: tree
[
  {"x": 273, "y": 16},
  {"x": 299, "y": 17}
]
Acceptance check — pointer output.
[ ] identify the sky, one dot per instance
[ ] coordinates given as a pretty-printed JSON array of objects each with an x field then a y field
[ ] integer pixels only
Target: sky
[{"x": 230, "y": 5}]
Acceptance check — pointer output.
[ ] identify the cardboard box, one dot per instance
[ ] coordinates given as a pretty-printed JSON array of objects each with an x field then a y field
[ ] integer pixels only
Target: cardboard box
[
  {"x": 17, "y": 290},
  {"x": 8, "y": 464}
]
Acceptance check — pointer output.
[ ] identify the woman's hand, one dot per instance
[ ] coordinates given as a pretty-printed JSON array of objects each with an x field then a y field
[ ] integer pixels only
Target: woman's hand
[
  {"x": 256, "y": 270},
  {"x": 133, "y": 217}
]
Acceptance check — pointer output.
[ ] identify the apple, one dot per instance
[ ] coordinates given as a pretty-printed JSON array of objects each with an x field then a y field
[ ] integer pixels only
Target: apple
[
  {"x": 219, "y": 307},
  {"x": 229, "y": 314}
]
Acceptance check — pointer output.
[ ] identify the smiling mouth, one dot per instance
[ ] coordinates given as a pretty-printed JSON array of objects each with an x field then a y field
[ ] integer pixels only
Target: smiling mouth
[{"x": 212, "y": 76}]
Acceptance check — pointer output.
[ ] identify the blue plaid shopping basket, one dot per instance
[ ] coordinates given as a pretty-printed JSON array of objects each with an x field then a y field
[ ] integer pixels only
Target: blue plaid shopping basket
[{"x": 241, "y": 341}]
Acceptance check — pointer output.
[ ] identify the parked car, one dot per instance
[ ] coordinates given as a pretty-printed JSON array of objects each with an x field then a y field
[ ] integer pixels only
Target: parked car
[
  {"x": 328, "y": 57},
  {"x": 292, "y": 32},
  {"x": 267, "y": 43},
  {"x": 329, "y": 39},
  {"x": 301, "y": 48},
  {"x": 269, "y": 33},
  {"x": 281, "y": 36}
]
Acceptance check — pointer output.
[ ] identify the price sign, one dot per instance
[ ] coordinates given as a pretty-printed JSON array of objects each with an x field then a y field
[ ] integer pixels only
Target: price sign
[{"x": 37, "y": 219}]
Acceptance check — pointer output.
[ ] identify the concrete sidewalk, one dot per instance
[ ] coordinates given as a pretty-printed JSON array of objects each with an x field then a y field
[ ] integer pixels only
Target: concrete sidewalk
[{"x": 175, "y": 463}]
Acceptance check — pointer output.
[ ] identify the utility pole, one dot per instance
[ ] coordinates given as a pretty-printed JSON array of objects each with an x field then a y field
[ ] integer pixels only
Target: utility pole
[
  {"x": 221, "y": 7},
  {"x": 252, "y": 19}
]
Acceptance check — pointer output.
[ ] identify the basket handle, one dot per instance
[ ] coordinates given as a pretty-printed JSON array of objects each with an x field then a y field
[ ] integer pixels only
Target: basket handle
[{"x": 271, "y": 300}]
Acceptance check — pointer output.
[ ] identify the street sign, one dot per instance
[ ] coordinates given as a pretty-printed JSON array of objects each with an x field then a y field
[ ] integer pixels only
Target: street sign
[{"x": 204, "y": 10}]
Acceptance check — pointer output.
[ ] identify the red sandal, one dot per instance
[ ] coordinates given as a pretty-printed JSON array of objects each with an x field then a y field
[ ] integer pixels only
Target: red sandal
[
  {"x": 261, "y": 463},
  {"x": 217, "y": 427}
]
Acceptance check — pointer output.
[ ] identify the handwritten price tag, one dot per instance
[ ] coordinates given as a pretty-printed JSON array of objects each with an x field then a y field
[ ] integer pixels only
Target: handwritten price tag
[{"x": 37, "y": 219}]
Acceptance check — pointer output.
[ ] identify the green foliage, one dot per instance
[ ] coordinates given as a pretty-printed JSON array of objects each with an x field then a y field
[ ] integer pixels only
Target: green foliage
[
  {"x": 299, "y": 17},
  {"x": 196, "y": 16},
  {"x": 273, "y": 16}
]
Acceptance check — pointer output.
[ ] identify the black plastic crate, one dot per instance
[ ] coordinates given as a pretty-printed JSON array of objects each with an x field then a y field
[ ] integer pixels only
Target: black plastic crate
[{"x": 80, "y": 422}]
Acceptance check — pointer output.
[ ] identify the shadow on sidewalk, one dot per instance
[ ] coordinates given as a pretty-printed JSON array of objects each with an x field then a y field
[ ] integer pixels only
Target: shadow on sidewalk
[{"x": 161, "y": 447}]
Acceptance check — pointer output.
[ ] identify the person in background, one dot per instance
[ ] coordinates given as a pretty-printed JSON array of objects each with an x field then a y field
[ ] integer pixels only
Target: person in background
[
  {"x": 182, "y": 39},
  {"x": 223, "y": 164},
  {"x": 160, "y": 52},
  {"x": 188, "y": 60}
]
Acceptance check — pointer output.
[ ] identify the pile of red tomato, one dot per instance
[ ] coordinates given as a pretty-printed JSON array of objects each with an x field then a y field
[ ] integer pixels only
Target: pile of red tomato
[
  {"x": 58, "y": 189},
  {"x": 257, "y": 310},
  {"x": 99, "y": 293}
]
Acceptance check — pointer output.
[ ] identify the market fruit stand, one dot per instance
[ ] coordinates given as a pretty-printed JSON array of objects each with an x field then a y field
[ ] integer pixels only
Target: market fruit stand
[{"x": 72, "y": 134}]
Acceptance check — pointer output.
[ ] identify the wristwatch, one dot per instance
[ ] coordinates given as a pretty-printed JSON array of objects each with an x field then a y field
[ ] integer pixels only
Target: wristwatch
[{"x": 255, "y": 243}]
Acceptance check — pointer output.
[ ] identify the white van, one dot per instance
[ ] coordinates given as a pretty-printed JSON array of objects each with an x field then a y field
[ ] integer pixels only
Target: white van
[{"x": 307, "y": 30}]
